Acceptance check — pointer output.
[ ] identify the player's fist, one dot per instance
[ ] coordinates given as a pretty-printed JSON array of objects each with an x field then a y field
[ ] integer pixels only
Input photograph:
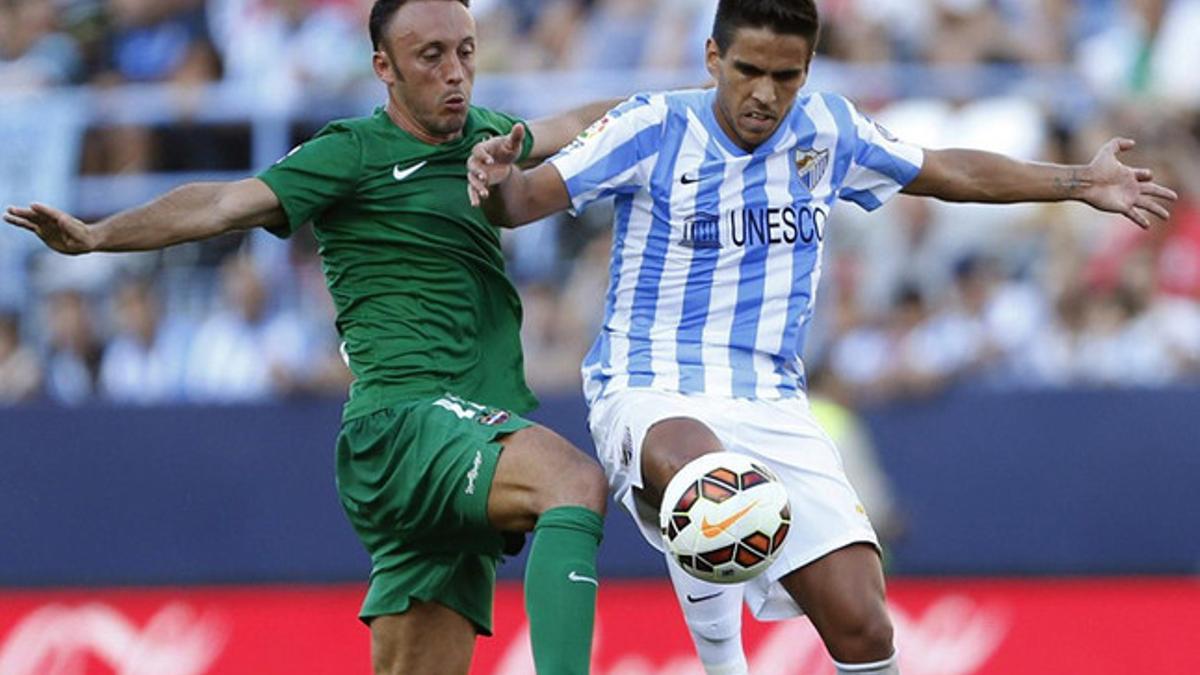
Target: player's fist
[
  {"x": 492, "y": 162},
  {"x": 60, "y": 231}
]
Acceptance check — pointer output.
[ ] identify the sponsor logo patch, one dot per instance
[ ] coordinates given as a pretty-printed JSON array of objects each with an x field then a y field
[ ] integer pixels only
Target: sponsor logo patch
[
  {"x": 473, "y": 474},
  {"x": 591, "y": 132},
  {"x": 701, "y": 231},
  {"x": 491, "y": 418},
  {"x": 627, "y": 448}
]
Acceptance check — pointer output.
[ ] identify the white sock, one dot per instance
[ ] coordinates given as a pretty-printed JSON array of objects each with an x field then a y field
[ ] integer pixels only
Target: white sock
[
  {"x": 713, "y": 613},
  {"x": 889, "y": 666}
]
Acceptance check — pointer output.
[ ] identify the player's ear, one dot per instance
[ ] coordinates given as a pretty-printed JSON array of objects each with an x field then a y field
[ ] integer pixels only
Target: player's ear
[
  {"x": 381, "y": 62},
  {"x": 712, "y": 59}
]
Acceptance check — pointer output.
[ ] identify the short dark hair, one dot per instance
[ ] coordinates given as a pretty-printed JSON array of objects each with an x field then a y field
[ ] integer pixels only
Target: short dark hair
[
  {"x": 790, "y": 17},
  {"x": 383, "y": 11}
]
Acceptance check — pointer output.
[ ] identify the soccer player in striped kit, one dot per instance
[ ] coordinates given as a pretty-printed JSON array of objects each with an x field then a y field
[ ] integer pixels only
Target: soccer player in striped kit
[{"x": 723, "y": 204}]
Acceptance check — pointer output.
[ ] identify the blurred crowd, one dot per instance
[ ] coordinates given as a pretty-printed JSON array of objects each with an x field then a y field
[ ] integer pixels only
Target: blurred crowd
[{"x": 915, "y": 298}]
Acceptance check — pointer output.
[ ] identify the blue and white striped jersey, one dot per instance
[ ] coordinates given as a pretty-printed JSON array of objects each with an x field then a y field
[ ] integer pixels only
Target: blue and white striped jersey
[{"x": 717, "y": 251}]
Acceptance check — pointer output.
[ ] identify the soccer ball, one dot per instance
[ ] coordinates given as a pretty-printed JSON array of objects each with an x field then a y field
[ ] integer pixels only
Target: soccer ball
[{"x": 724, "y": 517}]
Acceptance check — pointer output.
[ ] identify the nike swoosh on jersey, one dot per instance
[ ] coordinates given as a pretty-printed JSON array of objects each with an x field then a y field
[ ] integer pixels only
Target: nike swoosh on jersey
[
  {"x": 702, "y": 598},
  {"x": 688, "y": 180},
  {"x": 711, "y": 530},
  {"x": 401, "y": 175},
  {"x": 575, "y": 576}
]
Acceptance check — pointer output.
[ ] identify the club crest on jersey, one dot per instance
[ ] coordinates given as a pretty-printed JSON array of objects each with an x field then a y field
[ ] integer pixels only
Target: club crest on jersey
[{"x": 811, "y": 166}]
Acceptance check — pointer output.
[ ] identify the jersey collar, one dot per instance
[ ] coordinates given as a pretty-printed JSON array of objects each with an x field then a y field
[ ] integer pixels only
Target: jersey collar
[{"x": 714, "y": 128}]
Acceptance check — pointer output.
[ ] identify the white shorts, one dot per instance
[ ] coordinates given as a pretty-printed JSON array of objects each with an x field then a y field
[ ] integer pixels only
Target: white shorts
[{"x": 826, "y": 512}]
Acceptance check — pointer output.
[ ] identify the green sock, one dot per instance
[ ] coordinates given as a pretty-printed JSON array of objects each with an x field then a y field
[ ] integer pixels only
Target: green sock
[{"x": 560, "y": 589}]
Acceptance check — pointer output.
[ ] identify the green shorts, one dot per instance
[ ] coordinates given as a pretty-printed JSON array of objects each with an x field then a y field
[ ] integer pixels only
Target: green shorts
[{"x": 414, "y": 480}]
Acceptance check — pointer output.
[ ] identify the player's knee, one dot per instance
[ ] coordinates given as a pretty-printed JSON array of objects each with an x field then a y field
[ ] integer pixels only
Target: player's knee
[
  {"x": 587, "y": 486},
  {"x": 663, "y": 458},
  {"x": 576, "y": 481},
  {"x": 862, "y": 638}
]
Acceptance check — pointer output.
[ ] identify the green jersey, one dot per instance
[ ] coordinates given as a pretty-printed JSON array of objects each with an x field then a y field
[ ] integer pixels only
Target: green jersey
[{"x": 424, "y": 305}]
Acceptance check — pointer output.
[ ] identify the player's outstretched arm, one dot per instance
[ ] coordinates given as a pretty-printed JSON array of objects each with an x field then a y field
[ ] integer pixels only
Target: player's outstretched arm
[
  {"x": 188, "y": 213},
  {"x": 1106, "y": 183},
  {"x": 508, "y": 195}
]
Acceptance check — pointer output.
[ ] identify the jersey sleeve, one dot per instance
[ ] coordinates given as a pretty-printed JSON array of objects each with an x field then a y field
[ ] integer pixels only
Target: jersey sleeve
[
  {"x": 881, "y": 164},
  {"x": 314, "y": 176},
  {"x": 614, "y": 155},
  {"x": 503, "y": 123}
]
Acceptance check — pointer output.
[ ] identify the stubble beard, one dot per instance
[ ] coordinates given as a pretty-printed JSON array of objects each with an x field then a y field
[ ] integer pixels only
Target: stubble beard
[{"x": 429, "y": 120}]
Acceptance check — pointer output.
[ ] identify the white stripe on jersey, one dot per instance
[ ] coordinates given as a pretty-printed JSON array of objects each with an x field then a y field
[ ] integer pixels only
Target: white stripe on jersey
[{"x": 716, "y": 251}]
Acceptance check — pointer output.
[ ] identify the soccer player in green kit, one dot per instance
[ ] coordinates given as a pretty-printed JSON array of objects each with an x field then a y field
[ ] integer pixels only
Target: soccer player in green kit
[{"x": 435, "y": 468}]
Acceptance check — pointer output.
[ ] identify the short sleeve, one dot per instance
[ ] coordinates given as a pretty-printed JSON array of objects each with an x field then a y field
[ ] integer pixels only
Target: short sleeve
[
  {"x": 527, "y": 146},
  {"x": 881, "y": 166},
  {"x": 615, "y": 154},
  {"x": 314, "y": 176},
  {"x": 495, "y": 123}
]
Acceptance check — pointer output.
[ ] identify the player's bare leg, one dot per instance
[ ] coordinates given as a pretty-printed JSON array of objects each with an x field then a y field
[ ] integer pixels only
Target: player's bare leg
[
  {"x": 540, "y": 476},
  {"x": 428, "y": 639},
  {"x": 538, "y": 471},
  {"x": 669, "y": 445},
  {"x": 543, "y": 483},
  {"x": 713, "y": 613},
  {"x": 843, "y": 594}
]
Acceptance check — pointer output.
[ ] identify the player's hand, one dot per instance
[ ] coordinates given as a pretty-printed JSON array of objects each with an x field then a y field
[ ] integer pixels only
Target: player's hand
[
  {"x": 60, "y": 231},
  {"x": 1129, "y": 191},
  {"x": 492, "y": 162}
]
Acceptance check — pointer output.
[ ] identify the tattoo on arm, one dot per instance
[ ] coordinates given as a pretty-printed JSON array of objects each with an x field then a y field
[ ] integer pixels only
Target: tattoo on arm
[{"x": 1069, "y": 186}]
